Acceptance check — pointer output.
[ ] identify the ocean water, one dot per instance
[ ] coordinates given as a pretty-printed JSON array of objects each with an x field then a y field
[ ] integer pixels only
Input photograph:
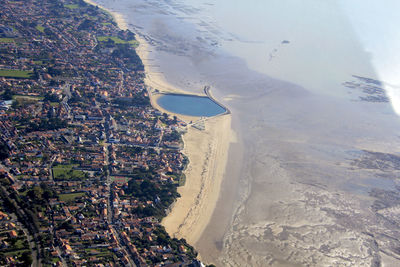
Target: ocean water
[
  {"x": 316, "y": 44},
  {"x": 313, "y": 88}
]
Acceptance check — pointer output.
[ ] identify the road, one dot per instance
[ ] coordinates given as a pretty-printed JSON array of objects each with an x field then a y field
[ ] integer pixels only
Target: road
[
  {"x": 31, "y": 243},
  {"x": 110, "y": 221},
  {"x": 51, "y": 177}
]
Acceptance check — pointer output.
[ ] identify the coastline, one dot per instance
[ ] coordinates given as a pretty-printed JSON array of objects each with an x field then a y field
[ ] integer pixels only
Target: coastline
[
  {"x": 117, "y": 17},
  {"x": 207, "y": 151},
  {"x": 208, "y": 157}
]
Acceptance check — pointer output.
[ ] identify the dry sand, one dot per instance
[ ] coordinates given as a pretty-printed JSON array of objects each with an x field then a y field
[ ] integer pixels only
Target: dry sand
[{"x": 207, "y": 151}]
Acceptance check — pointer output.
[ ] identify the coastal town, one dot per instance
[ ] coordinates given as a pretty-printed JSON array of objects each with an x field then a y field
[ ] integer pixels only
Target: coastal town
[{"x": 88, "y": 167}]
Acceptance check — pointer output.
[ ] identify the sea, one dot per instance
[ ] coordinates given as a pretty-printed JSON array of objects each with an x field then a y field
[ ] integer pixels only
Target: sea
[{"x": 313, "y": 87}]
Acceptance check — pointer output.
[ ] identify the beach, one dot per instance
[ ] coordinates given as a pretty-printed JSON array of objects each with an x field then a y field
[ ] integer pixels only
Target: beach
[{"x": 207, "y": 151}]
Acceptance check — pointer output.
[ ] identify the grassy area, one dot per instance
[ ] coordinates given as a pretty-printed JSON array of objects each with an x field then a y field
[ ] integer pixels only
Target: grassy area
[
  {"x": 40, "y": 28},
  {"x": 38, "y": 62},
  {"x": 15, "y": 252},
  {"x": 106, "y": 23},
  {"x": 21, "y": 244},
  {"x": 119, "y": 179},
  {"x": 6, "y": 40},
  {"x": 65, "y": 166},
  {"x": 90, "y": 17},
  {"x": 27, "y": 97},
  {"x": 71, "y": 6},
  {"x": 16, "y": 73},
  {"x": 65, "y": 172},
  {"x": 117, "y": 40},
  {"x": 182, "y": 180},
  {"x": 99, "y": 252},
  {"x": 70, "y": 196},
  {"x": 55, "y": 260}
]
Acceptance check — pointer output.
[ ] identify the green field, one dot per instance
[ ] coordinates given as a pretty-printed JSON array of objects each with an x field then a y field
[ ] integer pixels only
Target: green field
[
  {"x": 40, "y": 28},
  {"x": 6, "y": 40},
  {"x": 120, "y": 179},
  {"x": 90, "y": 17},
  {"x": 70, "y": 196},
  {"x": 65, "y": 172},
  {"x": 117, "y": 40},
  {"x": 16, "y": 73},
  {"x": 15, "y": 252},
  {"x": 99, "y": 252},
  {"x": 27, "y": 97},
  {"x": 72, "y": 6}
]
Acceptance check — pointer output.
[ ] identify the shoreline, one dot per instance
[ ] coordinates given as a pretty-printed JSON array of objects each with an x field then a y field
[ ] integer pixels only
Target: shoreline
[
  {"x": 207, "y": 151},
  {"x": 121, "y": 23}
]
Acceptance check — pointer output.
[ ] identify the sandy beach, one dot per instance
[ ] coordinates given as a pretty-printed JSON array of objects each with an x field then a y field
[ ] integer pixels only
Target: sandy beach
[
  {"x": 207, "y": 152},
  {"x": 206, "y": 149}
]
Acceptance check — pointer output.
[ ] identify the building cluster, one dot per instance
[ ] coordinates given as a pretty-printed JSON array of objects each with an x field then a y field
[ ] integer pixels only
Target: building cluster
[{"x": 88, "y": 168}]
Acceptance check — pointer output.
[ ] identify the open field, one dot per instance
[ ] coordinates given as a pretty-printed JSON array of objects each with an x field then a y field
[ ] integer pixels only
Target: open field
[
  {"x": 16, "y": 73},
  {"x": 27, "y": 97},
  {"x": 70, "y": 196},
  {"x": 6, "y": 40},
  {"x": 117, "y": 40},
  {"x": 72, "y": 6},
  {"x": 65, "y": 172},
  {"x": 40, "y": 28}
]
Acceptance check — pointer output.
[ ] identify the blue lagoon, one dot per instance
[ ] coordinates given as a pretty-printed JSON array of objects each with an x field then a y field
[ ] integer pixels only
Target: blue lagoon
[{"x": 190, "y": 105}]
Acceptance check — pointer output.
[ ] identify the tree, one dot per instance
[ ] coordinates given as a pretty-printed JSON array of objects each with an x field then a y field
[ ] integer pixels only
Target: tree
[
  {"x": 35, "y": 194},
  {"x": 26, "y": 258},
  {"x": 4, "y": 152},
  {"x": 7, "y": 95}
]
